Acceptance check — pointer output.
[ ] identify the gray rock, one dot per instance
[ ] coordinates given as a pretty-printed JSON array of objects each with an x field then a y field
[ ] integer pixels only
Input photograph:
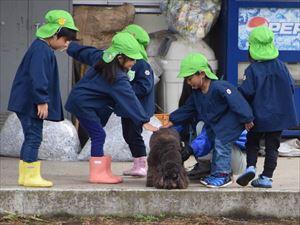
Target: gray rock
[
  {"x": 114, "y": 143},
  {"x": 60, "y": 140}
]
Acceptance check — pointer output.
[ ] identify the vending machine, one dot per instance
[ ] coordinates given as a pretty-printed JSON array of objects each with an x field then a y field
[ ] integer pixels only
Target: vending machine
[{"x": 239, "y": 17}]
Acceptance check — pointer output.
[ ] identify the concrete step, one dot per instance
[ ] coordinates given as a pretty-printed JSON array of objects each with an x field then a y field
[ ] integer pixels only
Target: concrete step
[
  {"x": 73, "y": 195},
  {"x": 134, "y": 201}
]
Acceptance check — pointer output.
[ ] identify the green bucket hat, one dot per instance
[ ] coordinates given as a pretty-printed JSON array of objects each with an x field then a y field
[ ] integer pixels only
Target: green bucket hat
[
  {"x": 141, "y": 36},
  {"x": 193, "y": 63},
  {"x": 55, "y": 19},
  {"x": 123, "y": 43},
  {"x": 261, "y": 44}
]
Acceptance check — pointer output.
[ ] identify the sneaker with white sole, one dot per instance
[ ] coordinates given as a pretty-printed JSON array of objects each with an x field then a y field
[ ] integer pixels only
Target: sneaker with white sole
[
  {"x": 219, "y": 181},
  {"x": 262, "y": 182},
  {"x": 247, "y": 176},
  {"x": 206, "y": 179}
]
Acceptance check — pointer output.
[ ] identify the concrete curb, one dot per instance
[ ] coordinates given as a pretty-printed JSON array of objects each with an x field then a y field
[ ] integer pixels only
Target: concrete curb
[{"x": 129, "y": 202}]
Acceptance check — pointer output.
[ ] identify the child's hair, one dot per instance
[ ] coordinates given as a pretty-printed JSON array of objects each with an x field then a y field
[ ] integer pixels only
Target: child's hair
[
  {"x": 109, "y": 70},
  {"x": 69, "y": 34},
  {"x": 185, "y": 93}
]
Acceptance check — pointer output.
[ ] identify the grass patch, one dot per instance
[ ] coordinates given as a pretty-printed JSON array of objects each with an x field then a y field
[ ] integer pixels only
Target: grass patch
[{"x": 148, "y": 218}]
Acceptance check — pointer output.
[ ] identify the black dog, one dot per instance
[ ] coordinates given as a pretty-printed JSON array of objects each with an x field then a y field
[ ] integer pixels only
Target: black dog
[{"x": 165, "y": 169}]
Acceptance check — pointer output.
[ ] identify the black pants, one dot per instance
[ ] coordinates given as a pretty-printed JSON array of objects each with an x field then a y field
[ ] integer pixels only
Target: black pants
[
  {"x": 133, "y": 136},
  {"x": 272, "y": 143}
]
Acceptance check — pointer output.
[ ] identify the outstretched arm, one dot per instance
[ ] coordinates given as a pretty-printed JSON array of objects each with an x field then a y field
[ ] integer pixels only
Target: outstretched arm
[
  {"x": 185, "y": 112},
  {"x": 85, "y": 54}
]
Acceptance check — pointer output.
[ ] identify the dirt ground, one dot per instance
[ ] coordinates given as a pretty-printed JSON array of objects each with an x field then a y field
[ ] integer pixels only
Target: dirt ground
[{"x": 12, "y": 219}]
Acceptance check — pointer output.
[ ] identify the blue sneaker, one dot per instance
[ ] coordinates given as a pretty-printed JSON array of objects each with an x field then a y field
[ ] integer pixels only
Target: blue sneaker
[
  {"x": 247, "y": 176},
  {"x": 262, "y": 181},
  {"x": 206, "y": 179},
  {"x": 219, "y": 181}
]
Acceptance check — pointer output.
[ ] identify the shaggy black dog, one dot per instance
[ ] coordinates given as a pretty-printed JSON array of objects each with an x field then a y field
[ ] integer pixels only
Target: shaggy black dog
[{"x": 165, "y": 169}]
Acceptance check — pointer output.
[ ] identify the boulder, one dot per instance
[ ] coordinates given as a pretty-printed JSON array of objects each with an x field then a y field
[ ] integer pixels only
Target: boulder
[
  {"x": 60, "y": 140},
  {"x": 98, "y": 24}
]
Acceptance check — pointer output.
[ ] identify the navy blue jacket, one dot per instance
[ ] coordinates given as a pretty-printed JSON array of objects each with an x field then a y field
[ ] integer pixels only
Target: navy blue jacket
[
  {"x": 143, "y": 86},
  {"x": 37, "y": 82},
  {"x": 222, "y": 108},
  {"x": 92, "y": 93},
  {"x": 269, "y": 89}
]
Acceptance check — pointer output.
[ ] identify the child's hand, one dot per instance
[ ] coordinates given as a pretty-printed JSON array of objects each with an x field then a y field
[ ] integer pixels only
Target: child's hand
[
  {"x": 149, "y": 127},
  {"x": 248, "y": 126},
  {"x": 169, "y": 124},
  {"x": 42, "y": 111}
]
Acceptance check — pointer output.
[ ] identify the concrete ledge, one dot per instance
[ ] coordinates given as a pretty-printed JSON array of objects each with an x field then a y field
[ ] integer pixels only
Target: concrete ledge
[{"x": 129, "y": 202}]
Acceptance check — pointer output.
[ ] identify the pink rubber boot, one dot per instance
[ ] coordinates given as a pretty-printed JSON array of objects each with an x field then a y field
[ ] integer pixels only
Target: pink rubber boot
[
  {"x": 100, "y": 171},
  {"x": 139, "y": 168}
]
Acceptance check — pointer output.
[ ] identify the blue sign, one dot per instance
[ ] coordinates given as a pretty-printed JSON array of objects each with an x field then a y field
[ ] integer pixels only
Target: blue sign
[{"x": 284, "y": 22}]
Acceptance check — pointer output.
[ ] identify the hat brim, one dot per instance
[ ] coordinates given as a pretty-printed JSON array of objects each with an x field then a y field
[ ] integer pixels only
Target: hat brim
[
  {"x": 47, "y": 30},
  {"x": 207, "y": 71},
  {"x": 210, "y": 74},
  {"x": 134, "y": 56},
  {"x": 186, "y": 74},
  {"x": 262, "y": 53},
  {"x": 109, "y": 54},
  {"x": 72, "y": 27}
]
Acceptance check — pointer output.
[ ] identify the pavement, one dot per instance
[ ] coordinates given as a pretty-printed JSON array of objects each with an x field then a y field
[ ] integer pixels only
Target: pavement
[{"x": 72, "y": 194}]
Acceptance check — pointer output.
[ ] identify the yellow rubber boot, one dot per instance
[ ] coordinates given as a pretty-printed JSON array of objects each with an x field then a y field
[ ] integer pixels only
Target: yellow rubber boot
[
  {"x": 21, "y": 173},
  {"x": 33, "y": 176}
]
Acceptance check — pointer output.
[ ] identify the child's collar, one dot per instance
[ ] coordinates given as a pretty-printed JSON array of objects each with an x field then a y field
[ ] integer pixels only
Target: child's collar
[{"x": 45, "y": 41}]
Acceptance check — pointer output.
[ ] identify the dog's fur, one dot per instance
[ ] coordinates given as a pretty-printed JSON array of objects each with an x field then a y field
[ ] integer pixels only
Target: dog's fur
[{"x": 165, "y": 169}]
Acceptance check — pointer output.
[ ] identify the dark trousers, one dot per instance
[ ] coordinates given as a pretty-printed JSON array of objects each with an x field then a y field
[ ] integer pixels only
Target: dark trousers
[
  {"x": 133, "y": 136},
  {"x": 33, "y": 133},
  {"x": 104, "y": 115},
  {"x": 272, "y": 143},
  {"x": 97, "y": 135}
]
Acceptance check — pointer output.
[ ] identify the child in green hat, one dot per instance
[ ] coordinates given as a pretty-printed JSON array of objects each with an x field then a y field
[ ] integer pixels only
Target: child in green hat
[
  {"x": 269, "y": 88},
  {"x": 35, "y": 94},
  {"x": 141, "y": 78},
  {"x": 105, "y": 85},
  {"x": 222, "y": 108}
]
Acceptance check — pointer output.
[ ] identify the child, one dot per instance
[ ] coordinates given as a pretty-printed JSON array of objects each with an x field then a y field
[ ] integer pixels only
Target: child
[
  {"x": 35, "y": 94},
  {"x": 141, "y": 78},
  {"x": 222, "y": 108},
  {"x": 105, "y": 85},
  {"x": 142, "y": 82},
  {"x": 269, "y": 89}
]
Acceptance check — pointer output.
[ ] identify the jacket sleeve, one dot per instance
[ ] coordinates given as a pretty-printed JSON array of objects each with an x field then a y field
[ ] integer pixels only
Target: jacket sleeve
[
  {"x": 37, "y": 70},
  {"x": 237, "y": 103},
  {"x": 126, "y": 99},
  {"x": 185, "y": 112},
  {"x": 84, "y": 54},
  {"x": 247, "y": 88},
  {"x": 143, "y": 82}
]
